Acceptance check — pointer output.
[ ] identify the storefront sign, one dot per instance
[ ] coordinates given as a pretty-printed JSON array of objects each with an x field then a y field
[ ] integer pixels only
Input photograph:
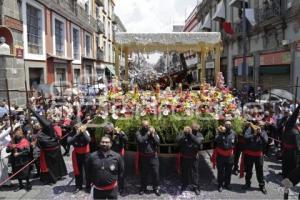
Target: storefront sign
[
  {"x": 19, "y": 53},
  {"x": 239, "y": 61},
  {"x": 279, "y": 58}
]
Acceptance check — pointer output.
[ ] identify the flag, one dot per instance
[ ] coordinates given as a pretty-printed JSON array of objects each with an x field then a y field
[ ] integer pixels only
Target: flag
[{"x": 228, "y": 28}]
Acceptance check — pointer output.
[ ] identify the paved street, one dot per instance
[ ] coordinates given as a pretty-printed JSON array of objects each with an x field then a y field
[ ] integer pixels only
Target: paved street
[{"x": 170, "y": 187}]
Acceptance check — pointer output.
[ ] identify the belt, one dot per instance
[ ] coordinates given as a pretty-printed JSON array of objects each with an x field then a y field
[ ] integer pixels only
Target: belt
[
  {"x": 224, "y": 152},
  {"x": 107, "y": 187},
  {"x": 253, "y": 153}
]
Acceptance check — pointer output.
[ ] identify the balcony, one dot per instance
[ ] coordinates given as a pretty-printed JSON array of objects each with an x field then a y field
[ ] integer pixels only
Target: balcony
[
  {"x": 269, "y": 11},
  {"x": 72, "y": 11},
  {"x": 100, "y": 55}
]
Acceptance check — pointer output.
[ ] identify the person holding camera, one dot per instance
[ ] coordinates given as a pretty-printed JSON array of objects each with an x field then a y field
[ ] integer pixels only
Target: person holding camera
[
  {"x": 80, "y": 141},
  {"x": 189, "y": 144},
  {"x": 256, "y": 139},
  {"x": 223, "y": 155},
  {"x": 148, "y": 141}
]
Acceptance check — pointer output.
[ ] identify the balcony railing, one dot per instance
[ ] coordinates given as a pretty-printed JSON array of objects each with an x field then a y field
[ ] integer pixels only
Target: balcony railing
[{"x": 269, "y": 11}]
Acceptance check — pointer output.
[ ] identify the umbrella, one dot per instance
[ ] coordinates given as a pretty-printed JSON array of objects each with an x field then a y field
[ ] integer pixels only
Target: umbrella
[{"x": 283, "y": 94}]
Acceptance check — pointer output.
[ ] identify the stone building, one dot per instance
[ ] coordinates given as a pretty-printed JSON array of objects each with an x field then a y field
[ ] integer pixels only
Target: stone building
[
  {"x": 272, "y": 40},
  {"x": 60, "y": 42}
]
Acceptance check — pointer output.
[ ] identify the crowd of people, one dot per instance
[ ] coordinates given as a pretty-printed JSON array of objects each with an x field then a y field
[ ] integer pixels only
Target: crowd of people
[{"x": 31, "y": 140}]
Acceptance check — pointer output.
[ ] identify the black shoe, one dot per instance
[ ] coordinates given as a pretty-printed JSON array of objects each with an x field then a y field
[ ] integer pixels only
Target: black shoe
[
  {"x": 263, "y": 190},
  {"x": 246, "y": 186},
  {"x": 122, "y": 193},
  {"x": 88, "y": 189},
  {"x": 141, "y": 192},
  {"x": 21, "y": 187},
  {"x": 36, "y": 176},
  {"x": 77, "y": 190},
  {"x": 28, "y": 187},
  {"x": 235, "y": 172},
  {"x": 286, "y": 195},
  {"x": 228, "y": 187},
  {"x": 157, "y": 192},
  {"x": 220, "y": 188},
  {"x": 197, "y": 192}
]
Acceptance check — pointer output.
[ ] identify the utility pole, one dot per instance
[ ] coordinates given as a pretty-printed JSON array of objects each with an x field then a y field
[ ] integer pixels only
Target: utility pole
[{"x": 244, "y": 66}]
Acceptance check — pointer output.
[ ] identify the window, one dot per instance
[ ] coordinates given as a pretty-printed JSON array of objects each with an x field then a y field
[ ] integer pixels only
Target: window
[
  {"x": 97, "y": 12},
  {"x": 34, "y": 30},
  {"x": 61, "y": 75},
  {"x": 97, "y": 42},
  {"x": 76, "y": 76},
  {"x": 87, "y": 45},
  {"x": 59, "y": 38},
  {"x": 76, "y": 44},
  {"x": 109, "y": 30}
]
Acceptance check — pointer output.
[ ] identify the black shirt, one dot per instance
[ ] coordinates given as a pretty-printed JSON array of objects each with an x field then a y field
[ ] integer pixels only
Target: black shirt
[{"x": 104, "y": 168}]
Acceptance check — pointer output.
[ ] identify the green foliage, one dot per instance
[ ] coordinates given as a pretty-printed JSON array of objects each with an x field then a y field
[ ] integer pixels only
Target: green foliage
[{"x": 168, "y": 127}]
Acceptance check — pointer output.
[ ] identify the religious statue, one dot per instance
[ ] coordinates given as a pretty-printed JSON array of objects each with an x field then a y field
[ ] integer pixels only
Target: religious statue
[{"x": 4, "y": 48}]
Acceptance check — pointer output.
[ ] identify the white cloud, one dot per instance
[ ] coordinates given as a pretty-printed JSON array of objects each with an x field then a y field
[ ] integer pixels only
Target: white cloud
[{"x": 153, "y": 15}]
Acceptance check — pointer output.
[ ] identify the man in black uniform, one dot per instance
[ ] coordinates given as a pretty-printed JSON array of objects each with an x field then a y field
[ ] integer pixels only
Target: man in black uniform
[
  {"x": 119, "y": 140},
  {"x": 52, "y": 164},
  {"x": 256, "y": 139},
  {"x": 223, "y": 155},
  {"x": 290, "y": 144},
  {"x": 80, "y": 139},
  {"x": 189, "y": 144},
  {"x": 148, "y": 141},
  {"x": 104, "y": 168}
]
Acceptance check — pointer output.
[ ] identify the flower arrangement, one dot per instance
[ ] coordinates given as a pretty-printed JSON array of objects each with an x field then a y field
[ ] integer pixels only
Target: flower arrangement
[{"x": 169, "y": 111}]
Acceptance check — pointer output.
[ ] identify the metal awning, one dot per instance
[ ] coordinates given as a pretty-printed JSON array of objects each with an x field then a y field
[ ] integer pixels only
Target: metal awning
[
  {"x": 207, "y": 22},
  {"x": 111, "y": 68},
  {"x": 237, "y": 3},
  {"x": 220, "y": 12}
]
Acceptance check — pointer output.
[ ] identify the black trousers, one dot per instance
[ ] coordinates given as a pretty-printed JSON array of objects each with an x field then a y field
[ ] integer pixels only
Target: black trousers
[
  {"x": 149, "y": 167},
  {"x": 106, "y": 194},
  {"x": 294, "y": 176},
  {"x": 190, "y": 172},
  {"x": 224, "y": 167},
  {"x": 258, "y": 162},
  {"x": 237, "y": 154},
  {"x": 121, "y": 178},
  {"x": 289, "y": 162},
  {"x": 81, "y": 163}
]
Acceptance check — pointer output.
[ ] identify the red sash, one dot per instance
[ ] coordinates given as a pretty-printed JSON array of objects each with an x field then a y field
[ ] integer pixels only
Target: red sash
[
  {"x": 218, "y": 151},
  {"x": 122, "y": 152},
  {"x": 58, "y": 131},
  {"x": 107, "y": 187},
  {"x": 21, "y": 145},
  {"x": 137, "y": 160},
  {"x": 287, "y": 147},
  {"x": 248, "y": 153},
  {"x": 78, "y": 150},
  {"x": 43, "y": 164}
]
